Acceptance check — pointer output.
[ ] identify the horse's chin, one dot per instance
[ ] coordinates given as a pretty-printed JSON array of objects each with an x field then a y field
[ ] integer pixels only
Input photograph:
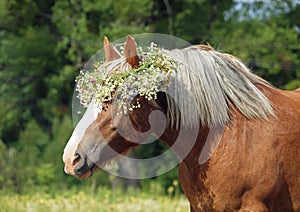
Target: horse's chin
[{"x": 86, "y": 175}]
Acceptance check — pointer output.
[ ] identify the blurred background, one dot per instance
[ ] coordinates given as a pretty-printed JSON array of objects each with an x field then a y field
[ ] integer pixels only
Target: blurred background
[{"x": 44, "y": 44}]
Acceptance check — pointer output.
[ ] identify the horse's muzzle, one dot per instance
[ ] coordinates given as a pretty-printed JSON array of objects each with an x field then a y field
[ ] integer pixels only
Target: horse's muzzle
[{"x": 83, "y": 167}]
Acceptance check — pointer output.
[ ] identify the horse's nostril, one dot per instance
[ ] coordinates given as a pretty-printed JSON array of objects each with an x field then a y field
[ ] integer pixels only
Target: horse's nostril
[
  {"x": 76, "y": 159},
  {"x": 80, "y": 164}
]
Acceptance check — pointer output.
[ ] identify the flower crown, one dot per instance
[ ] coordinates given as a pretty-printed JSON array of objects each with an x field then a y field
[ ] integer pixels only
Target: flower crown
[{"x": 149, "y": 76}]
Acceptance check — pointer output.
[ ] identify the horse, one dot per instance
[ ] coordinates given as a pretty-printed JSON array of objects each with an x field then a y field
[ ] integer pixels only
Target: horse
[{"x": 254, "y": 164}]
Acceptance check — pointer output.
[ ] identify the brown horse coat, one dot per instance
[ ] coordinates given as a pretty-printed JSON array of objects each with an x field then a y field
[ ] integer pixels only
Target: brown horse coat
[{"x": 256, "y": 166}]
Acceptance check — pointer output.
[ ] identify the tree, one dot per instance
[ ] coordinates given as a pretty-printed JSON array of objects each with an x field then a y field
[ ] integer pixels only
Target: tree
[
  {"x": 190, "y": 20},
  {"x": 269, "y": 44},
  {"x": 27, "y": 59}
]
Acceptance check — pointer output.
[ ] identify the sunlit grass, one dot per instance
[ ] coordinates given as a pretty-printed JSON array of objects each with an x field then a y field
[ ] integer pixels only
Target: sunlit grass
[{"x": 104, "y": 200}]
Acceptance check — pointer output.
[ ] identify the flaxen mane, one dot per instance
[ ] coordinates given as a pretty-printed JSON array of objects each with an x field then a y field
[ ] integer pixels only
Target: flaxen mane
[{"x": 205, "y": 83}]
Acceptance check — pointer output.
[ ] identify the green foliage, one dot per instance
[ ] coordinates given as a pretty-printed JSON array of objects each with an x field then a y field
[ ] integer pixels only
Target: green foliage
[
  {"x": 37, "y": 161},
  {"x": 292, "y": 85},
  {"x": 267, "y": 41},
  {"x": 271, "y": 47},
  {"x": 20, "y": 161},
  {"x": 190, "y": 20},
  {"x": 43, "y": 45},
  {"x": 3, "y": 153},
  {"x": 45, "y": 174},
  {"x": 24, "y": 75}
]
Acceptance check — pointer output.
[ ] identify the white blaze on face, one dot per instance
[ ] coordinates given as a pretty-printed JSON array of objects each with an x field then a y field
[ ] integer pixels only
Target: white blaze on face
[{"x": 89, "y": 116}]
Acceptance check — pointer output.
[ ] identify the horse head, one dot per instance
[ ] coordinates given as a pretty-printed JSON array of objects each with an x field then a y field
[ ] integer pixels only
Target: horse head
[{"x": 102, "y": 135}]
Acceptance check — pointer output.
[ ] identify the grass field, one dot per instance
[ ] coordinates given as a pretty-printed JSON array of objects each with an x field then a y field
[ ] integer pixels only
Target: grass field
[{"x": 104, "y": 200}]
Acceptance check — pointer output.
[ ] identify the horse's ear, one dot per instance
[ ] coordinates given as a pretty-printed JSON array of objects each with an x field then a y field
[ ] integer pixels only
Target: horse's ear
[
  {"x": 110, "y": 52},
  {"x": 130, "y": 52}
]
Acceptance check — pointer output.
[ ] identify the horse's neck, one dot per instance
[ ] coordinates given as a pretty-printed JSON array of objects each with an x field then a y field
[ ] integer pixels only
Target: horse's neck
[{"x": 187, "y": 144}]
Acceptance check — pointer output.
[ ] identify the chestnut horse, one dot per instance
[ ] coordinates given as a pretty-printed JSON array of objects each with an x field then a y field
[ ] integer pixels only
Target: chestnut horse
[{"x": 255, "y": 164}]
